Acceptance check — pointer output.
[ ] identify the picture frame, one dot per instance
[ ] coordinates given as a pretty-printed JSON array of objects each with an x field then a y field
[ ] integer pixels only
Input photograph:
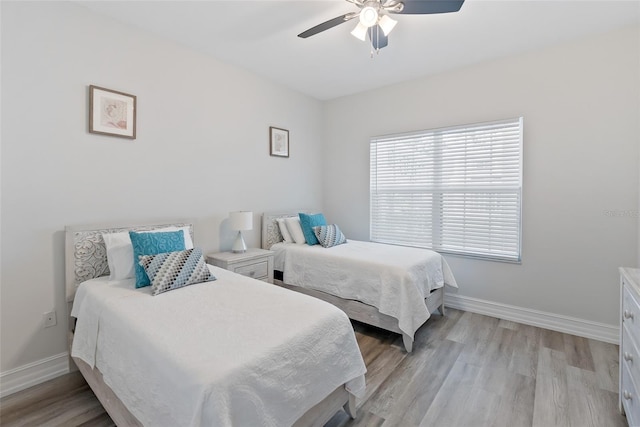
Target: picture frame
[
  {"x": 112, "y": 112},
  {"x": 278, "y": 142}
]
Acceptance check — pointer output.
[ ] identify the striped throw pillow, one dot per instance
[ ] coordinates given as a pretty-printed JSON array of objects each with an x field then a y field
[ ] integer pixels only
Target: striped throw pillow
[
  {"x": 173, "y": 270},
  {"x": 329, "y": 235}
]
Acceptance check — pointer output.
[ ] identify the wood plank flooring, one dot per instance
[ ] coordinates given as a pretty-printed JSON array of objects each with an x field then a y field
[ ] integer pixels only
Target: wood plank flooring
[{"x": 466, "y": 370}]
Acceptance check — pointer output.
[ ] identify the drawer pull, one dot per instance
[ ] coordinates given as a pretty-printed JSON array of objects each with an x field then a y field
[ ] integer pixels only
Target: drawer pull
[
  {"x": 627, "y": 356},
  {"x": 627, "y": 314},
  {"x": 626, "y": 395}
]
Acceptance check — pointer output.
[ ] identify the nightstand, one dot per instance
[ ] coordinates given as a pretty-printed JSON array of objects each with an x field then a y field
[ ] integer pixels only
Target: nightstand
[{"x": 255, "y": 263}]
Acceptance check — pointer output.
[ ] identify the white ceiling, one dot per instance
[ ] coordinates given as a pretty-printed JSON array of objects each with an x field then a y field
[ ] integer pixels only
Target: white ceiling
[{"x": 261, "y": 36}]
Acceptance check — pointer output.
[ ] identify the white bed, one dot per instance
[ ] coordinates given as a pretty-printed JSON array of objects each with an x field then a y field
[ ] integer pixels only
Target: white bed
[
  {"x": 234, "y": 351},
  {"x": 392, "y": 287}
]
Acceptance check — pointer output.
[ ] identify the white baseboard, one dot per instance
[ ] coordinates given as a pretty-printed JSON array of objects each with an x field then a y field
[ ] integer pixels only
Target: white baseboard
[
  {"x": 555, "y": 322},
  {"x": 34, "y": 373}
]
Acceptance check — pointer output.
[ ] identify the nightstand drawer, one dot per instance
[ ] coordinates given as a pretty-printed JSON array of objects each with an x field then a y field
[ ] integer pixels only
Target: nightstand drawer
[
  {"x": 257, "y": 270},
  {"x": 255, "y": 263}
]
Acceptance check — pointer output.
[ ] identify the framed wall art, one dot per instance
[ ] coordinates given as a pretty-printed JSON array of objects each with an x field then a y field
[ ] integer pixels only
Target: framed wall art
[
  {"x": 278, "y": 142},
  {"x": 112, "y": 112}
]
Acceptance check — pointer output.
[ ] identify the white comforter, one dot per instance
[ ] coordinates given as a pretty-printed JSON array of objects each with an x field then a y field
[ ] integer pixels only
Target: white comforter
[
  {"x": 235, "y": 351},
  {"x": 394, "y": 279}
]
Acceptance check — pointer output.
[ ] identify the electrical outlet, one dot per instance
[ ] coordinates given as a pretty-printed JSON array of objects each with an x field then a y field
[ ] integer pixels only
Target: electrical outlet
[{"x": 49, "y": 319}]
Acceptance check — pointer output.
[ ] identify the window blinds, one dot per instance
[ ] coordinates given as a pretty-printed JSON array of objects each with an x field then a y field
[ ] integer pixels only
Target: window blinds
[{"x": 455, "y": 190}]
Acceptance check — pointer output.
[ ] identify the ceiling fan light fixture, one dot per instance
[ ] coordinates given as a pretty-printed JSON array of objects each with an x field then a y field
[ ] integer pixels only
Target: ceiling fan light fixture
[
  {"x": 387, "y": 24},
  {"x": 359, "y": 32},
  {"x": 375, "y": 21},
  {"x": 369, "y": 16}
]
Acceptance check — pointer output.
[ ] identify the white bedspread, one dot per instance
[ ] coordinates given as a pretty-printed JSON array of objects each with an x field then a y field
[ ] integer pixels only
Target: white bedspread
[
  {"x": 235, "y": 351},
  {"x": 394, "y": 279}
]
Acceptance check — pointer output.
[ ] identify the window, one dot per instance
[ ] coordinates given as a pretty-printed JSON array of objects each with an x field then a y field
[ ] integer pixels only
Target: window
[{"x": 454, "y": 190}]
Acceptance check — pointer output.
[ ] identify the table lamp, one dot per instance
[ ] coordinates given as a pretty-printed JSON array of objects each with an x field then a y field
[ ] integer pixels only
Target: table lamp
[{"x": 240, "y": 220}]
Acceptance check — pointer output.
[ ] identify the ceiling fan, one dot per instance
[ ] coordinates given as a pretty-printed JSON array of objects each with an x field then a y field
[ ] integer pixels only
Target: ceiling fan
[{"x": 375, "y": 20}]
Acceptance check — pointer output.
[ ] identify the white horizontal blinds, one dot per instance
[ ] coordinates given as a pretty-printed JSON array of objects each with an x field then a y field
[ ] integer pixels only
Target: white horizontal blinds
[
  {"x": 455, "y": 190},
  {"x": 401, "y": 206},
  {"x": 482, "y": 224}
]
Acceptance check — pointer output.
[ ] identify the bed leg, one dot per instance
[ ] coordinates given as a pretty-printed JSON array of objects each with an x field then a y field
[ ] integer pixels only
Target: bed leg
[
  {"x": 408, "y": 342},
  {"x": 441, "y": 308},
  {"x": 350, "y": 406}
]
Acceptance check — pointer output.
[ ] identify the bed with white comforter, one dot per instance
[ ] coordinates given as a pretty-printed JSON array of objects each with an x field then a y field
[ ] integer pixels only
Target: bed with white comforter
[
  {"x": 394, "y": 279},
  {"x": 234, "y": 351}
]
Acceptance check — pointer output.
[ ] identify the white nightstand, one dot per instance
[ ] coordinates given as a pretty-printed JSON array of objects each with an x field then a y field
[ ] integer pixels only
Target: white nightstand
[{"x": 255, "y": 263}]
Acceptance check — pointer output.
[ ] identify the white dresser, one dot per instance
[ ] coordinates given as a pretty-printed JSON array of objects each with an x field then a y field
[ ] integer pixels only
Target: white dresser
[{"x": 630, "y": 344}]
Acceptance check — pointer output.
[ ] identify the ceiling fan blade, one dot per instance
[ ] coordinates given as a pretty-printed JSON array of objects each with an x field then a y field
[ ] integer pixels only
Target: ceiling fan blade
[
  {"x": 423, "y": 7},
  {"x": 377, "y": 37},
  {"x": 328, "y": 24}
]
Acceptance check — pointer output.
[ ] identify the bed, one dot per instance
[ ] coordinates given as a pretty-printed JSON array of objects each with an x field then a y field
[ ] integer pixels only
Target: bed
[
  {"x": 233, "y": 351},
  {"x": 391, "y": 287}
]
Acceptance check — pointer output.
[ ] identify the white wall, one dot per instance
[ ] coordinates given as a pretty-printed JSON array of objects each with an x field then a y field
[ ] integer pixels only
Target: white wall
[
  {"x": 581, "y": 108},
  {"x": 202, "y": 151}
]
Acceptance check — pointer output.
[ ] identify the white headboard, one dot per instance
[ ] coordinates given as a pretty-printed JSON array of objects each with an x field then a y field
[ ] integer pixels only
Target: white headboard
[
  {"x": 86, "y": 254},
  {"x": 270, "y": 230}
]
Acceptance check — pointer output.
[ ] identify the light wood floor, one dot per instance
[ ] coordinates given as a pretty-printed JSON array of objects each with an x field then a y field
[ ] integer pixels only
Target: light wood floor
[{"x": 466, "y": 370}]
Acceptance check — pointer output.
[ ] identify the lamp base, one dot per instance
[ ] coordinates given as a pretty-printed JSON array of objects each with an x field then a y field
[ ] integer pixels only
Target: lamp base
[{"x": 239, "y": 246}]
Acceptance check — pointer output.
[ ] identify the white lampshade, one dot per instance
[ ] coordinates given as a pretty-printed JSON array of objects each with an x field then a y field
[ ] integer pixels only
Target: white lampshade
[
  {"x": 241, "y": 220},
  {"x": 360, "y": 31},
  {"x": 387, "y": 24}
]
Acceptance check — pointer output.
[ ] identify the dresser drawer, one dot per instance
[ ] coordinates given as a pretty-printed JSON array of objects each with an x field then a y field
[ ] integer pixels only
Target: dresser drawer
[
  {"x": 631, "y": 314},
  {"x": 629, "y": 355},
  {"x": 629, "y": 398},
  {"x": 256, "y": 270}
]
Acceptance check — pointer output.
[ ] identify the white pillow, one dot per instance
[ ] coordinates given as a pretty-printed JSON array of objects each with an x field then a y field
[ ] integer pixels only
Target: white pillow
[
  {"x": 120, "y": 251},
  {"x": 119, "y": 255},
  {"x": 295, "y": 229},
  {"x": 283, "y": 230},
  {"x": 188, "y": 243}
]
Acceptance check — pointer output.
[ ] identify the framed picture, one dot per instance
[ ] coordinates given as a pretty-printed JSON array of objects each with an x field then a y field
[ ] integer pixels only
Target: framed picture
[
  {"x": 278, "y": 142},
  {"x": 112, "y": 112}
]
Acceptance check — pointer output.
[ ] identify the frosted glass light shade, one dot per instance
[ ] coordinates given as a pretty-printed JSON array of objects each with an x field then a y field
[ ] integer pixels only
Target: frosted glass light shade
[
  {"x": 359, "y": 32},
  {"x": 387, "y": 24},
  {"x": 241, "y": 220}
]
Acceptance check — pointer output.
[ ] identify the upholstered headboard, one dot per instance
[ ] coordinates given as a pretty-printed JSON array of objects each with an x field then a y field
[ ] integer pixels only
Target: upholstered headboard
[
  {"x": 86, "y": 254},
  {"x": 270, "y": 230}
]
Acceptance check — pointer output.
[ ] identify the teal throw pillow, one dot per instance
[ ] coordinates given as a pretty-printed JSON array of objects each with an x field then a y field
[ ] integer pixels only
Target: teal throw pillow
[
  {"x": 307, "y": 222},
  {"x": 153, "y": 244}
]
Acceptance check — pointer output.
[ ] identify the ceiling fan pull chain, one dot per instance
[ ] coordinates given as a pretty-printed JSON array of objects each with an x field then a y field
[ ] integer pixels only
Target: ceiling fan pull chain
[{"x": 375, "y": 32}]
